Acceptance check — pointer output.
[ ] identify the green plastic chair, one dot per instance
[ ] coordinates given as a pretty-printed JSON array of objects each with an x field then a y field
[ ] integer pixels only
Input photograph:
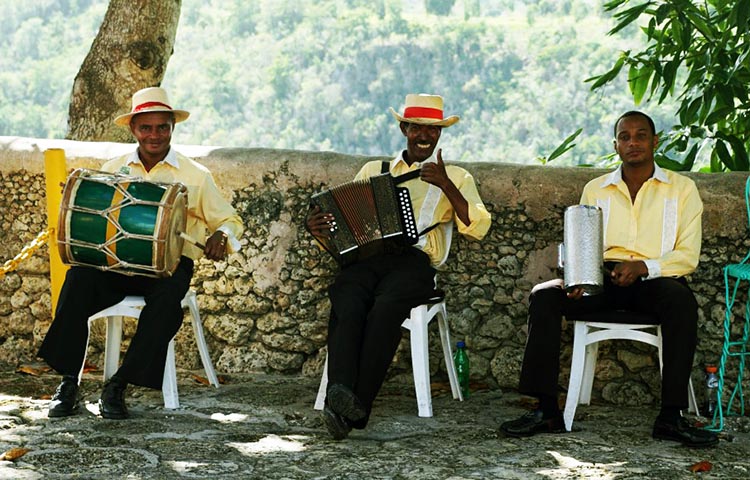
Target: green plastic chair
[{"x": 734, "y": 274}]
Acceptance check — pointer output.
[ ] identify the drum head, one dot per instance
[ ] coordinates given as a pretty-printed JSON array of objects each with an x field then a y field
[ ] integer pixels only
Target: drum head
[
  {"x": 173, "y": 225},
  {"x": 63, "y": 220}
]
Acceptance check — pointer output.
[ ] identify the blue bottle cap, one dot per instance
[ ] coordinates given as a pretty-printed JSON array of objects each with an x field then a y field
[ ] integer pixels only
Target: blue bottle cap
[{"x": 460, "y": 344}]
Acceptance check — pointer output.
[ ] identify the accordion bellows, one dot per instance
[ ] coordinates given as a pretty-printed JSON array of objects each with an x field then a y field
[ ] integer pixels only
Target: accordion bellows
[{"x": 371, "y": 216}]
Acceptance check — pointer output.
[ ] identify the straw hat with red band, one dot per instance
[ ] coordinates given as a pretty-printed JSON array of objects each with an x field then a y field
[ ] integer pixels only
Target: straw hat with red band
[
  {"x": 424, "y": 109},
  {"x": 148, "y": 100}
]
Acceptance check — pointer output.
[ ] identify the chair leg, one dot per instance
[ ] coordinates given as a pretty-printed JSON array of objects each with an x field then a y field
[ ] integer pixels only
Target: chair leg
[
  {"x": 169, "y": 382},
  {"x": 85, "y": 352},
  {"x": 445, "y": 339},
  {"x": 321, "y": 398},
  {"x": 420, "y": 359},
  {"x": 576, "y": 374},
  {"x": 112, "y": 346},
  {"x": 741, "y": 353},
  {"x": 692, "y": 402},
  {"x": 589, "y": 368},
  {"x": 200, "y": 339}
]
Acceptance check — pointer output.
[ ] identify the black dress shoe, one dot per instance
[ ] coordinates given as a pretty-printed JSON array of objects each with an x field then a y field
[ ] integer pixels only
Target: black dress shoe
[
  {"x": 335, "y": 423},
  {"x": 681, "y": 431},
  {"x": 343, "y": 401},
  {"x": 112, "y": 402},
  {"x": 532, "y": 423},
  {"x": 65, "y": 400}
]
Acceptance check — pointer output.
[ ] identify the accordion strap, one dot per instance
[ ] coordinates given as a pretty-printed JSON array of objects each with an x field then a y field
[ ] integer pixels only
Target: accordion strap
[
  {"x": 384, "y": 168},
  {"x": 431, "y": 227},
  {"x": 406, "y": 177}
]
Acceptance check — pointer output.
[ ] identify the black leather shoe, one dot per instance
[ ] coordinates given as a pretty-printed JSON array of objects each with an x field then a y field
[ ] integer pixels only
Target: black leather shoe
[
  {"x": 532, "y": 423},
  {"x": 335, "y": 423},
  {"x": 112, "y": 402},
  {"x": 343, "y": 401},
  {"x": 681, "y": 431},
  {"x": 65, "y": 400}
]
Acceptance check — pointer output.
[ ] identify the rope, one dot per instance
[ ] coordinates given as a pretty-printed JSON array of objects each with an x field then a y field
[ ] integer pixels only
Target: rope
[{"x": 26, "y": 252}]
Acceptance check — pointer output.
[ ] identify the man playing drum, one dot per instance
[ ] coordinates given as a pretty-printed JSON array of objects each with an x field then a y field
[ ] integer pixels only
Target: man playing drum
[
  {"x": 88, "y": 290},
  {"x": 652, "y": 240},
  {"x": 371, "y": 298}
]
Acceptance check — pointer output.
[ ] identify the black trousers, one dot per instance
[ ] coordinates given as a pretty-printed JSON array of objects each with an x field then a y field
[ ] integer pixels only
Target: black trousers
[
  {"x": 670, "y": 300},
  {"x": 88, "y": 290},
  {"x": 369, "y": 302}
]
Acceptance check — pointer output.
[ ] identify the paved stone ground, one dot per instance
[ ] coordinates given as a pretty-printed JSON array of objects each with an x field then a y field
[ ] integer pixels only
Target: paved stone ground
[{"x": 258, "y": 426}]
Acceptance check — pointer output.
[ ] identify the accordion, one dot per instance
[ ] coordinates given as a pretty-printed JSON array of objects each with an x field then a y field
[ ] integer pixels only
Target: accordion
[{"x": 371, "y": 216}]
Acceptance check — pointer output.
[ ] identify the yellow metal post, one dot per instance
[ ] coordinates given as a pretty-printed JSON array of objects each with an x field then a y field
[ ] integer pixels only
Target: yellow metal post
[{"x": 55, "y": 172}]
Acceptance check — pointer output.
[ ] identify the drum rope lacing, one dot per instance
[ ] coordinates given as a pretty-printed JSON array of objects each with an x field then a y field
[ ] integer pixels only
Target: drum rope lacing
[{"x": 26, "y": 251}]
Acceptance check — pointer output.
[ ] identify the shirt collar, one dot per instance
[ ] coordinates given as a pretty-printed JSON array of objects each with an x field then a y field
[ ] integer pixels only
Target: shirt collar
[
  {"x": 400, "y": 160},
  {"x": 170, "y": 159},
  {"x": 615, "y": 177}
]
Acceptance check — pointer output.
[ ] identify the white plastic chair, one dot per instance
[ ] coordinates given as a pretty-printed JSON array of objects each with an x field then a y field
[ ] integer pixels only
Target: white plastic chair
[
  {"x": 587, "y": 335},
  {"x": 417, "y": 324},
  {"x": 131, "y": 307}
]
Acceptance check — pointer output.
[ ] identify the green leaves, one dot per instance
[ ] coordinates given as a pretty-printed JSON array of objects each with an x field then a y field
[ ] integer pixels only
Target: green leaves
[
  {"x": 638, "y": 79},
  {"x": 626, "y": 17},
  {"x": 566, "y": 145},
  {"x": 610, "y": 75},
  {"x": 698, "y": 51}
]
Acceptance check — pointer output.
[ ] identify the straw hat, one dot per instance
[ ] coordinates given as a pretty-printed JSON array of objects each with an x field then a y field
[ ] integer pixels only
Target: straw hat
[
  {"x": 151, "y": 99},
  {"x": 424, "y": 109}
]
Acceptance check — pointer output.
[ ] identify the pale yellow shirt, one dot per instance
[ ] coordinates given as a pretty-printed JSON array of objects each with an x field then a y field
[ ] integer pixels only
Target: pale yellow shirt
[
  {"x": 662, "y": 227},
  {"x": 431, "y": 206},
  {"x": 208, "y": 210}
]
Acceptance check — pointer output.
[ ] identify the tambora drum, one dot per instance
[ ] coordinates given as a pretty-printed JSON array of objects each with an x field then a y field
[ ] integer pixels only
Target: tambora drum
[
  {"x": 581, "y": 255},
  {"x": 121, "y": 223}
]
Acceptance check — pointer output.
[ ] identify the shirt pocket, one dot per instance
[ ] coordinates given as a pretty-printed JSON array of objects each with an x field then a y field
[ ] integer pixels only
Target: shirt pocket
[{"x": 192, "y": 193}]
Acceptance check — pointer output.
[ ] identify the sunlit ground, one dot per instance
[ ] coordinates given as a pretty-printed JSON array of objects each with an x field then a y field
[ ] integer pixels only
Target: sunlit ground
[
  {"x": 266, "y": 445},
  {"x": 230, "y": 418},
  {"x": 10, "y": 404},
  {"x": 569, "y": 467},
  {"x": 264, "y": 427},
  {"x": 271, "y": 444}
]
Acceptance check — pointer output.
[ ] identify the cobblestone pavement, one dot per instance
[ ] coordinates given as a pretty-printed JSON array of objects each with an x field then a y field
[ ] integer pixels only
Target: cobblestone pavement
[{"x": 259, "y": 426}]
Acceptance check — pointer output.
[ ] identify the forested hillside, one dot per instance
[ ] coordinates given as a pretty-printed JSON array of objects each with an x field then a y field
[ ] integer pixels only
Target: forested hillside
[{"x": 321, "y": 74}]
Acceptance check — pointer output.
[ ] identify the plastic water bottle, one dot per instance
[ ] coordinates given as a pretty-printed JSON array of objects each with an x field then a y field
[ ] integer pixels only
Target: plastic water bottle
[
  {"x": 712, "y": 383},
  {"x": 461, "y": 360}
]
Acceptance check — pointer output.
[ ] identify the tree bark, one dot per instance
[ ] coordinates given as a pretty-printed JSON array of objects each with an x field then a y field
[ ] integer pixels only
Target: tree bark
[{"x": 130, "y": 52}]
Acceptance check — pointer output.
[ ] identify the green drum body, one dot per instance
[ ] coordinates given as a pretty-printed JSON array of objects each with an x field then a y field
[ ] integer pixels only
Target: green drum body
[{"x": 122, "y": 223}]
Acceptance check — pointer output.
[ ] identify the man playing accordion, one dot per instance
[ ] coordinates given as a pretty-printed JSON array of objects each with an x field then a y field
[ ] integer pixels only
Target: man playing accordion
[
  {"x": 371, "y": 297},
  {"x": 88, "y": 290}
]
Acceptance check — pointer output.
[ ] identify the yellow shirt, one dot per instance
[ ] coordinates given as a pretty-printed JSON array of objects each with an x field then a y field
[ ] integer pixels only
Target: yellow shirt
[
  {"x": 207, "y": 212},
  {"x": 662, "y": 227},
  {"x": 431, "y": 206}
]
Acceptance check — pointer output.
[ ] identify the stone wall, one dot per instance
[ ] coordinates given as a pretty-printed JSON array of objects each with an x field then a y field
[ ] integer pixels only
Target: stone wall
[{"x": 265, "y": 307}]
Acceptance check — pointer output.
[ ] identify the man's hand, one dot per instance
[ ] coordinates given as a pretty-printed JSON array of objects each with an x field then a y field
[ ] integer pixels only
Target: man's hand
[
  {"x": 576, "y": 293},
  {"x": 216, "y": 246},
  {"x": 626, "y": 273},
  {"x": 319, "y": 223},
  {"x": 435, "y": 173}
]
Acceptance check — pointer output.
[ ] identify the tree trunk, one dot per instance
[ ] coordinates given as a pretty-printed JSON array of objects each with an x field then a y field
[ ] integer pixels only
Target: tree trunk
[{"x": 130, "y": 52}]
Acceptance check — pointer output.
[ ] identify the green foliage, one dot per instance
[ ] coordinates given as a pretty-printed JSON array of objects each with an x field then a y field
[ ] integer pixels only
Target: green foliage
[
  {"x": 566, "y": 145},
  {"x": 321, "y": 74},
  {"x": 42, "y": 51},
  {"x": 439, "y": 7},
  {"x": 696, "y": 51}
]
